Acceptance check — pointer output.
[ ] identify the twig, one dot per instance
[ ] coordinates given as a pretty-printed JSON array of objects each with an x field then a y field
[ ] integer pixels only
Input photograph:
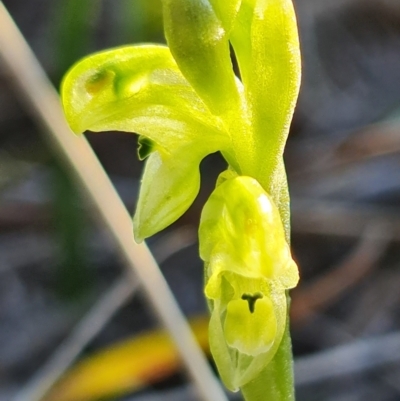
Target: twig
[
  {"x": 41, "y": 98},
  {"x": 310, "y": 216},
  {"x": 357, "y": 357},
  {"x": 376, "y": 305},
  {"x": 309, "y": 299},
  {"x": 101, "y": 313},
  {"x": 373, "y": 141},
  {"x": 363, "y": 144}
]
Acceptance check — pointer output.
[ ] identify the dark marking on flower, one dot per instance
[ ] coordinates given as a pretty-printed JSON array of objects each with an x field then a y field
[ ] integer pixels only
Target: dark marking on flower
[
  {"x": 99, "y": 81},
  {"x": 252, "y": 299},
  {"x": 146, "y": 146}
]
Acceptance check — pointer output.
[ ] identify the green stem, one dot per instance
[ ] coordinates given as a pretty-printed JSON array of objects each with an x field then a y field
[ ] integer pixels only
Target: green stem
[{"x": 275, "y": 382}]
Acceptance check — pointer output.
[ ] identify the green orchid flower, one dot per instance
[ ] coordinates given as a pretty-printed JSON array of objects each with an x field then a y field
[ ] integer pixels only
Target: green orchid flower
[
  {"x": 190, "y": 104},
  {"x": 185, "y": 102},
  {"x": 248, "y": 269}
]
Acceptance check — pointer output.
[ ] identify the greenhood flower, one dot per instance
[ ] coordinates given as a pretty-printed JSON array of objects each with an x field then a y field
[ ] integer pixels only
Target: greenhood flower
[
  {"x": 248, "y": 269},
  {"x": 185, "y": 102},
  {"x": 189, "y": 103}
]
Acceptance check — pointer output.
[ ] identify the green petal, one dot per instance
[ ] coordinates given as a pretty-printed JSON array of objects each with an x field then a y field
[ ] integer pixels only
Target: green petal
[
  {"x": 169, "y": 186},
  {"x": 265, "y": 41},
  {"x": 226, "y": 11},
  {"x": 221, "y": 352},
  {"x": 199, "y": 43},
  {"x": 241, "y": 231},
  {"x": 117, "y": 89},
  {"x": 242, "y": 348},
  {"x": 140, "y": 89},
  {"x": 248, "y": 269},
  {"x": 251, "y": 333}
]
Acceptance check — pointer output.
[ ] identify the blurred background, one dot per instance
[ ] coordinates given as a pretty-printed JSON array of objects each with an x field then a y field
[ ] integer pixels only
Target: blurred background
[{"x": 57, "y": 262}]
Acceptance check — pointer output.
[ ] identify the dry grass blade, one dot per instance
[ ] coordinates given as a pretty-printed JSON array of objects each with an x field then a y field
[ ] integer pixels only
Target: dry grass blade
[
  {"x": 357, "y": 357},
  {"x": 322, "y": 217},
  {"x": 95, "y": 320},
  {"x": 325, "y": 290},
  {"x": 66, "y": 354}
]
